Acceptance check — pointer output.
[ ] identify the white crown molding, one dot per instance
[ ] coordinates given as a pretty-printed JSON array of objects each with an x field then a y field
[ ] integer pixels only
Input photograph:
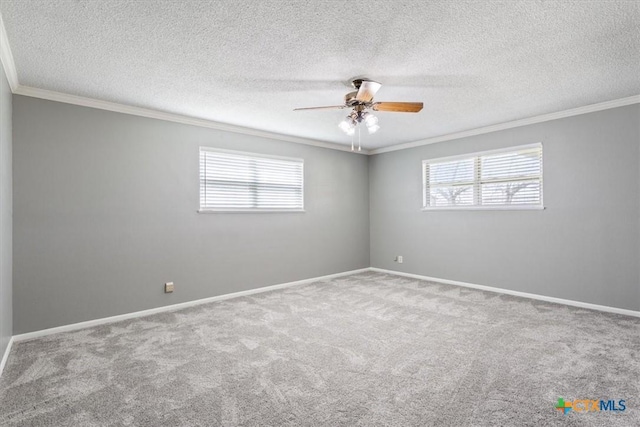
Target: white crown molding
[
  {"x": 170, "y": 117},
  {"x": 6, "y": 57},
  {"x": 5, "y": 356},
  {"x": 513, "y": 124},
  {"x": 173, "y": 307},
  {"x": 160, "y": 115},
  {"x": 554, "y": 300}
]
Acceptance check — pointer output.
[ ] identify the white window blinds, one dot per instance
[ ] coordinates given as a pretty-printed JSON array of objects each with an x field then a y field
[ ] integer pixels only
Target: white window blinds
[
  {"x": 496, "y": 179},
  {"x": 234, "y": 181}
]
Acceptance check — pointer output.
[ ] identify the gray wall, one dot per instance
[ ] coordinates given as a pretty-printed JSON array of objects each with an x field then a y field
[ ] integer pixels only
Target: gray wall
[
  {"x": 584, "y": 246},
  {"x": 105, "y": 213},
  {"x": 5, "y": 214}
]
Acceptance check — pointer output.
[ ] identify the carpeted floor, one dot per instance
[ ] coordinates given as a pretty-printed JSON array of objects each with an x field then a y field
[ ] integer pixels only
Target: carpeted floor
[{"x": 362, "y": 350}]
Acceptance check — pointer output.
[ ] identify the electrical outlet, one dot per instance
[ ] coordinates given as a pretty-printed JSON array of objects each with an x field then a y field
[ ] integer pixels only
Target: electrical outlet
[
  {"x": 168, "y": 287},
  {"x": 399, "y": 259}
]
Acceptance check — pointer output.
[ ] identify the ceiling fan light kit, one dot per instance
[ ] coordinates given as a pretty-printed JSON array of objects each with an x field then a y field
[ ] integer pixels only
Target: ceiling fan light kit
[
  {"x": 360, "y": 101},
  {"x": 349, "y": 124}
]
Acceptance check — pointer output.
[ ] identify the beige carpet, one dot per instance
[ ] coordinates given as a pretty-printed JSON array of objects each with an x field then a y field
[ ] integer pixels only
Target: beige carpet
[{"x": 363, "y": 350}]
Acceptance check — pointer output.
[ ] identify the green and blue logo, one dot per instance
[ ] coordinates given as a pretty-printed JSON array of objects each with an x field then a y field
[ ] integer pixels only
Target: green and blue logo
[{"x": 591, "y": 405}]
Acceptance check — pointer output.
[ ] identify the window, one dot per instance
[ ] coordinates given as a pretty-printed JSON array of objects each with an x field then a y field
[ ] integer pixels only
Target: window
[
  {"x": 235, "y": 181},
  {"x": 500, "y": 179}
]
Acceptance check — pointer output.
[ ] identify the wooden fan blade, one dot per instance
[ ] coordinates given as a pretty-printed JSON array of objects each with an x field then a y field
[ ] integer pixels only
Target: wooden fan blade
[
  {"x": 398, "y": 107},
  {"x": 332, "y": 107},
  {"x": 367, "y": 90}
]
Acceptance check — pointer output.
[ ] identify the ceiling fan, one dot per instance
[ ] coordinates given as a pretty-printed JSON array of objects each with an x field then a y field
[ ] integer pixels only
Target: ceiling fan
[{"x": 361, "y": 100}]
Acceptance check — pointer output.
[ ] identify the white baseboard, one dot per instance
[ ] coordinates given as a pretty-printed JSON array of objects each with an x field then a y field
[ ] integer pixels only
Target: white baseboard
[
  {"x": 515, "y": 293},
  {"x": 5, "y": 356},
  {"x": 172, "y": 307}
]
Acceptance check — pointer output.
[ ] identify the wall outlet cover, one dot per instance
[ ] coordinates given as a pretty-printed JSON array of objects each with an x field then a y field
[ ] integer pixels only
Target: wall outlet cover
[{"x": 168, "y": 287}]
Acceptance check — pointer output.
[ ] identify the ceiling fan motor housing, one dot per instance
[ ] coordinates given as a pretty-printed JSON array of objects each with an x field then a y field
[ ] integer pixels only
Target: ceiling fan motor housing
[{"x": 350, "y": 99}]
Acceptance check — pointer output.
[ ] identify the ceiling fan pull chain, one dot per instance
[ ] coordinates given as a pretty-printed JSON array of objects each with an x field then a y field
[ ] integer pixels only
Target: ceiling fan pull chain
[{"x": 359, "y": 147}]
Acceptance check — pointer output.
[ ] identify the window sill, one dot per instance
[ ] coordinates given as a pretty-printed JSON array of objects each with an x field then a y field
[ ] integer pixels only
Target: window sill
[
  {"x": 206, "y": 211},
  {"x": 486, "y": 208}
]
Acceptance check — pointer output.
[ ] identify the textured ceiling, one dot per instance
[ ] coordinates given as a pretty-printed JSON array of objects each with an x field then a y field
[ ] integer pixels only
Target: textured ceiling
[{"x": 250, "y": 63}]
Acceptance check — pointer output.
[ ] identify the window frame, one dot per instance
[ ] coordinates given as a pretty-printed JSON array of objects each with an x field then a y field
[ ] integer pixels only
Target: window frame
[
  {"x": 477, "y": 155},
  {"x": 249, "y": 155}
]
